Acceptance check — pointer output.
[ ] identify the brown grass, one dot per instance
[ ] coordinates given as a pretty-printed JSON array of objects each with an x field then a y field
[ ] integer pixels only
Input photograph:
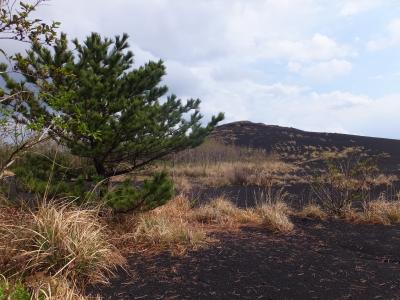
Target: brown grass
[
  {"x": 169, "y": 225},
  {"x": 381, "y": 212},
  {"x": 179, "y": 225},
  {"x": 217, "y": 211},
  {"x": 235, "y": 173},
  {"x": 161, "y": 231},
  {"x": 312, "y": 211},
  {"x": 60, "y": 240},
  {"x": 271, "y": 214},
  {"x": 57, "y": 289},
  {"x": 222, "y": 211},
  {"x": 41, "y": 288},
  {"x": 275, "y": 217}
]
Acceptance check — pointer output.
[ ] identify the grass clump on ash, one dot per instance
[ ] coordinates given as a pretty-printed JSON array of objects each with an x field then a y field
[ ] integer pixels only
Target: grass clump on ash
[
  {"x": 217, "y": 211},
  {"x": 41, "y": 288},
  {"x": 381, "y": 211},
  {"x": 169, "y": 225},
  {"x": 58, "y": 288},
  {"x": 275, "y": 216},
  {"x": 312, "y": 211},
  {"x": 273, "y": 211},
  {"x": 59, "y": 239}
]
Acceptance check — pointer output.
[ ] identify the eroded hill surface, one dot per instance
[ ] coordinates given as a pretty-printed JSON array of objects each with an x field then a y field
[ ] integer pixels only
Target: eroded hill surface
[{"x": 297, "y": 145}]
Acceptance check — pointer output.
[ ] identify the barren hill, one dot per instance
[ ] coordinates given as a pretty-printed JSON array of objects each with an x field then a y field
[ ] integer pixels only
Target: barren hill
[{"x": 294, "y": 144}]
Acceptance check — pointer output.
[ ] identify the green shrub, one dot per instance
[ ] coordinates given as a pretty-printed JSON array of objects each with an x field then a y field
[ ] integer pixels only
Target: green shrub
[
  {"x": 348, "y": 178},
  {"x": 16, "y": 291},
  {"x": 155, "y": 192},
  {"x": 68, "y": 175},
  {"x": 19, "y": 292}
]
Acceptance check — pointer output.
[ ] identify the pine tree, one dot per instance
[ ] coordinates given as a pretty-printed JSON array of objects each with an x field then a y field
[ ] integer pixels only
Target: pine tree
[{"x": 101, "y": 108}]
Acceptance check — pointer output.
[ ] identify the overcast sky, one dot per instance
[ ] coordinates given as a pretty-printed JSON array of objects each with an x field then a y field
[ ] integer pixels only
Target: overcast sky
[{"x": 317, "y": 65}]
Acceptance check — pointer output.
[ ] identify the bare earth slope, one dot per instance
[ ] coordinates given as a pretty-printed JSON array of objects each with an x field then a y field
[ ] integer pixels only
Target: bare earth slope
[
  {"x": 291, "y": 141},
  {"x": 332, "y": 259},
  {"x": 328, "y": 260}
]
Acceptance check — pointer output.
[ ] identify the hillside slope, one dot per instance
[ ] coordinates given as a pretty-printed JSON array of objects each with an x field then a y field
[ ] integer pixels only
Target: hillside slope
[{"x": 293, "y": 144}]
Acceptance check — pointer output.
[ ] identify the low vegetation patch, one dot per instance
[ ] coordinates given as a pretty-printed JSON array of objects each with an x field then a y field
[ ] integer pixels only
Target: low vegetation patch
[
  {"x": 161, "y": 231},
  {"x": 312, "y": 211},
  {"x": 217, "y": 211},
  {"x": 59, "y": 288},
  {"x": 381, "y": 212},
  {"x": 13, "y": 290},
  {"x": 59, "y": 240},
  {"x": 223, "y": 212},
  {"x": 275, "y": 217},
  {"x": 41, "y": 288},
  {"x": 235, "y": 173},
  {"x": 170, "y": 225}
]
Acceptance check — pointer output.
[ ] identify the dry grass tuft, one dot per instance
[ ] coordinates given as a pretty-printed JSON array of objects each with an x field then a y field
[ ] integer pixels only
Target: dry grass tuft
[
  {"x": 169, "y": 225},
  {"x": 275, "y": 216},
  {"x": 381, "y": 212},
  {"x": 221, "y": 211},
  {"x": 60, "y": 240},
  {"x": 312, "y": 211},
  {"x": 41, "y": 288},
  {"x": 217, "y": 211},
  {"x": 248, "y": 215},
  {"x": 57, "y": 289},
  {"x": 271, "y": 211},
  {"x": 163, "y": 231},
  {"x": 235, "y": 173}
]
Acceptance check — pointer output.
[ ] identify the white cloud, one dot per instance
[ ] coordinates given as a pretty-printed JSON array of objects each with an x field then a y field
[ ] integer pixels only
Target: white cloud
[
  {"x": 294, "y": 67},
  {"x": 391, "y": 39},
  {"x": 336, "y": 111},
  {"x": 322, "y": 71},
  {"x": 353, "y": 7},
  {"x": 239, "y": 56},
  {"x": 203, "y": 30},
  {"x": 319, "y": 47},
  {"x": 327, "y": 70}
]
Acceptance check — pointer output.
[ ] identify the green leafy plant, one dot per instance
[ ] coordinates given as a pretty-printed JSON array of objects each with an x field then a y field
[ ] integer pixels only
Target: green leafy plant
[
  {"x": 17, "y": 23},
  {"x": 155, "y": 192},
  {"x": 13, "y": 291},
  {"x": 54, "y": 173},
  {"x": 92, "y": 101}
]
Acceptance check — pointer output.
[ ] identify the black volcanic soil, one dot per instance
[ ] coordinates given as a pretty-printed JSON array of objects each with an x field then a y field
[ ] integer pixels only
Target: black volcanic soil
[
  {"x": 296, "y": 146},
  {"x": 297, "y": 195},
  {"x": 320, "y": 260},
  {"x": 290, "y": 141}
]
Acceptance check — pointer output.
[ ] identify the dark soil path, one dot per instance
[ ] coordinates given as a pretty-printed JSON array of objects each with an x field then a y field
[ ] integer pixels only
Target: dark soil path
[{"x": 320, "y": 260}]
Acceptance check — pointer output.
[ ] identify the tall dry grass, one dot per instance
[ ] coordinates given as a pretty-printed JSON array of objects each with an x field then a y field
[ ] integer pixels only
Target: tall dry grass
[
  {"x": 312, "y": 211},
  {"x": 217, "y": 211},
  {"x": 380, "y": 211},
  {"x": 216, "y": 164},
  {"x": 235, "y": 173},
  {"x": 275, "y": 216},
  {"x": 169, "y": 225},
  {"x": 59, "y": 239},
  {"x": 274, "y": 212},
  {"x": 41, "y": 288},
  {"x": 56, "y": 288}
]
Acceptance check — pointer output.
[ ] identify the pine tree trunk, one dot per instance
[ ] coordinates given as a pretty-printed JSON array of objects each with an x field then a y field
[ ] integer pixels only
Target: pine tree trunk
[{"x": 99, "y": 167}]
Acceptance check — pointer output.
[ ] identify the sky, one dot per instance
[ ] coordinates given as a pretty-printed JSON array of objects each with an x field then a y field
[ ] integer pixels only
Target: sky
[{"x": 318, "y": 65}]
